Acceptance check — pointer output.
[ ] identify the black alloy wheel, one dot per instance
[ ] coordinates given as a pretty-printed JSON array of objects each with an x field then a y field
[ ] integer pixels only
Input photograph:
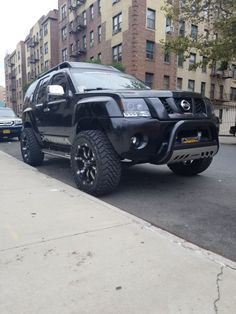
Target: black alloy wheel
[
  {"x": 95, "y": 165},
  {"x": 30, "y": 149}
]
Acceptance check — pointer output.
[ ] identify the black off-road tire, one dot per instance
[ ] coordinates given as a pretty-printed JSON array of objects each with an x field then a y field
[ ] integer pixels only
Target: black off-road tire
[
  {"x": 95, "y": 165},
  {"x": 30, "y": 148},
  {"x": 191, "y": 168}
]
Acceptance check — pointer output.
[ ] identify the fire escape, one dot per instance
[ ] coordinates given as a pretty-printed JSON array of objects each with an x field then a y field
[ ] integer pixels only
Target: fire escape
[
  {"x": 76, "y": 27},
  {"x": 218, "y": 77},
  {"x": 34, "y": 58}
]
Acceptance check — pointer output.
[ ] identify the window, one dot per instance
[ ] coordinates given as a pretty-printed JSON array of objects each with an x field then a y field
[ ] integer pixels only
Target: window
[
  {"x": 63, "y": 12},
  {"x": 91, "y": 11},
  {"x": 99, "y": 6},
  {"x": 150, "y": 48},
  {"x": 99, "y": 33},
  {"x": 182, "y": 28},
  {"x": 46, "y": 48},
  {"x": 233, "y": 93},
  {"x": 167, "y": 57},
  {"x": 206, "y": 35},
  {"x": 99, "y": 56},
  {"x": 166, "y": 82},
  {"x": 203, "y": 88},
  {"x": 220, "y": 115},
  {"x": 45, "y": 29},
  {"x": 169, "y": 26},
  {"x": 84, "y": 16},
  {"x": 18, "y": 55},
  {"x": 91, "y": 39},
  {"x": 117, "y": 21},
  {"x": 194, "y": 32},
  {"x": 72, "y": 49},
  {"x": 115, "y": 1},
  {"x": 192, "y": 61},
  {"x": 179, "y": 84},
  {"x": 84, "y": 42},
  {"x": 204, "y": 64},
  {"x": 64, "y": 55},
  {"x": 41, "y": 95},
  {"x": 221, "y": 91},
  {"x": 180, "y": 59},
  {"x": 212, "y": 91},
  {"x": 60, "y": 79},
  {"x": 149, "y": 77},
  {"x": 117, "y": 53},
  {"x": 92, "y": 58},
  {"x": 151, "y": 19},
  {"x": 191, "y": 85},
  {"x": 233, "y": 69},
  {"x": 64, "y": 33}
]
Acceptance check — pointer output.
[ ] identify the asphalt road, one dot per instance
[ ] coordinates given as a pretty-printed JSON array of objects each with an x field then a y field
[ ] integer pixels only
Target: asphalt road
[{"x": 201, "y": 209}]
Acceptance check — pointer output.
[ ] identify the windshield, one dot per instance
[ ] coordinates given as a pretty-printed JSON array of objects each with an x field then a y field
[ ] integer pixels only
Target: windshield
[
  {"x": 7, "y": 113},
  {"x": 95, "y": 79}
]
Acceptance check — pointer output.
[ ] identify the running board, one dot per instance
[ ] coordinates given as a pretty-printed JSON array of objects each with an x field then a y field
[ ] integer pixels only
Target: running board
[{"x": 56, "y": 153}]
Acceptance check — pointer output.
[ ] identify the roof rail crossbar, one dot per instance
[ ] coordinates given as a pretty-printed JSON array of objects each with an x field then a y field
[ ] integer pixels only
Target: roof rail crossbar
[{"x": 60, "y": 66}]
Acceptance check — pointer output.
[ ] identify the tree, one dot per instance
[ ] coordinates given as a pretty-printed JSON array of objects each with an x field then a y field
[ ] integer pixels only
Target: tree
[{"x": 218, "y": 19}]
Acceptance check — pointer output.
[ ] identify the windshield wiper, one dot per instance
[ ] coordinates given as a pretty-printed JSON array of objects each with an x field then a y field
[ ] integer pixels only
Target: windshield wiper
[{"x": 97, "y": 88}]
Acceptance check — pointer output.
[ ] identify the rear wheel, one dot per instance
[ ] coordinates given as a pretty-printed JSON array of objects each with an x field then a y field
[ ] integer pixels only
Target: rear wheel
[
  {"x": 191, "y": 167},
  {"x": 30, "y": 148},
  {"x": 95, "y": 165}
]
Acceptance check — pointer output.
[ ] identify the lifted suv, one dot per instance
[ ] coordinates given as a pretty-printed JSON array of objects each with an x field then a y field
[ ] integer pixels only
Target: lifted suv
[{"x": 99, "y": 117}]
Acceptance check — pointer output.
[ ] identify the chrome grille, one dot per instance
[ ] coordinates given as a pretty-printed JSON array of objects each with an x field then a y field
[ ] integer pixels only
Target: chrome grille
[{"x": 6, "y": 123}]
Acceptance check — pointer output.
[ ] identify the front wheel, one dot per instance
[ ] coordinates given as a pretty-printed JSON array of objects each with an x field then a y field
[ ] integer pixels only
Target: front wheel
[
  {"x": 95, "y": 165},
  {"x": 30, "y": 148},
  {"x": 191, "y": 167}
]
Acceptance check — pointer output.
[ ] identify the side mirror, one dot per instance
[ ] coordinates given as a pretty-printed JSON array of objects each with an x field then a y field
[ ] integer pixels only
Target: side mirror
[{"x": 55, "y": 90}]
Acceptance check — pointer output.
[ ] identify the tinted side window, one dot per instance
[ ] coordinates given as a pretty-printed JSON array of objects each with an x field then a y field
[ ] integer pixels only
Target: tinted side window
[
  {"x": 29, "y": 93},
  {"x": 41, "y": 91},
  {"x": 60, "y": 79}
]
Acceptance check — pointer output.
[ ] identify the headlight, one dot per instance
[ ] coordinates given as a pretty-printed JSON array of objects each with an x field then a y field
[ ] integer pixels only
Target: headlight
[
  {"x": 18, "y": 122},
  {"x": 133, "y": 108}
]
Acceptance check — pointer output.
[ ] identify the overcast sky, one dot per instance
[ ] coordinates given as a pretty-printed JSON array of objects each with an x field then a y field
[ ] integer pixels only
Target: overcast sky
[{"x": 16, "y": 19}]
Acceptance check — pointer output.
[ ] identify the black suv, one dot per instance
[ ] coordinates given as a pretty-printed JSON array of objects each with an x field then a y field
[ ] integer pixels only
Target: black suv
[{"x": 101, "y": 118}]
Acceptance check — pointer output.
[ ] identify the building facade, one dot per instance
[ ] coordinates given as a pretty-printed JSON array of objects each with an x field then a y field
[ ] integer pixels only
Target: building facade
[
  {"x": 126, "y": 32},
  {"x": 122, "y": 32},
  {"x": 2, "y": 96},
  {"x": 41, "y": 46},
  {"x": 15, "y": 77}
]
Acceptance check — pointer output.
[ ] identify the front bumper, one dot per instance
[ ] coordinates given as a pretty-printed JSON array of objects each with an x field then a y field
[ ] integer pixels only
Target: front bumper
[
  {"x": 10, "y": 131},
  {"x": 163, "y": 140}
]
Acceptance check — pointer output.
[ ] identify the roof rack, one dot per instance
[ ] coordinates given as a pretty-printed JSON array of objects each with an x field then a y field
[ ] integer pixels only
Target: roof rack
[{"x": 60, "y": 66}]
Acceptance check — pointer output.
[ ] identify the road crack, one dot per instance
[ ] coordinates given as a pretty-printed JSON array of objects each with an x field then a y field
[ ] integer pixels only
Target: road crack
[{"x": 218, "y": 279}]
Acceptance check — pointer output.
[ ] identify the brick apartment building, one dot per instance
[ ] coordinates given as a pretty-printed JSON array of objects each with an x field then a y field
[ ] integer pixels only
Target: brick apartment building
[
  {"x": 117, "y": 31},
  {"x": 15, "y": 77},
  {"x": 41, "y": 46},
  {"x": 37, "y": 53},
  {"x": 2, "y": 96}
]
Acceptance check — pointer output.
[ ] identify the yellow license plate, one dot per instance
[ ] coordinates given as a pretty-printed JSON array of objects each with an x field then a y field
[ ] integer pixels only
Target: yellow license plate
[
  {"x": 6, "y": 131},
  {"x": 190, "y": 140}
]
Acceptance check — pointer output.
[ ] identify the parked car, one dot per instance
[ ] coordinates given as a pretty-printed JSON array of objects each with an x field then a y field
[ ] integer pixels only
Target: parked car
[
  {"x": 99, "y": 118},
  {"x": 10, "y": 124}
]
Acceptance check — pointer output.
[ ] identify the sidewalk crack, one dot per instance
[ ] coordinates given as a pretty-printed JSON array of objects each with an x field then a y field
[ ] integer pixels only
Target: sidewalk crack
[{"x": 218, "y": 279}]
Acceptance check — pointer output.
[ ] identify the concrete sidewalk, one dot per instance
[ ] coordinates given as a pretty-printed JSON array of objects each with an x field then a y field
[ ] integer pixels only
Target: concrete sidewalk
[
  {"x": 65, "y": 252},
  {"x": 230, "y": 140}
]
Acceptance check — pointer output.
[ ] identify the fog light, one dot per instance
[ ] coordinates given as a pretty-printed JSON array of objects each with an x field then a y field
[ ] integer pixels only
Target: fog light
[
  {"x": 134, "y": 141},
  {"x": 139, "y": 141}
]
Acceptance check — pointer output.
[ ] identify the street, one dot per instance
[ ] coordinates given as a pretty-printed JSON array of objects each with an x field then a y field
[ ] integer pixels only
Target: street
[{"x": 202, "y": 209}]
